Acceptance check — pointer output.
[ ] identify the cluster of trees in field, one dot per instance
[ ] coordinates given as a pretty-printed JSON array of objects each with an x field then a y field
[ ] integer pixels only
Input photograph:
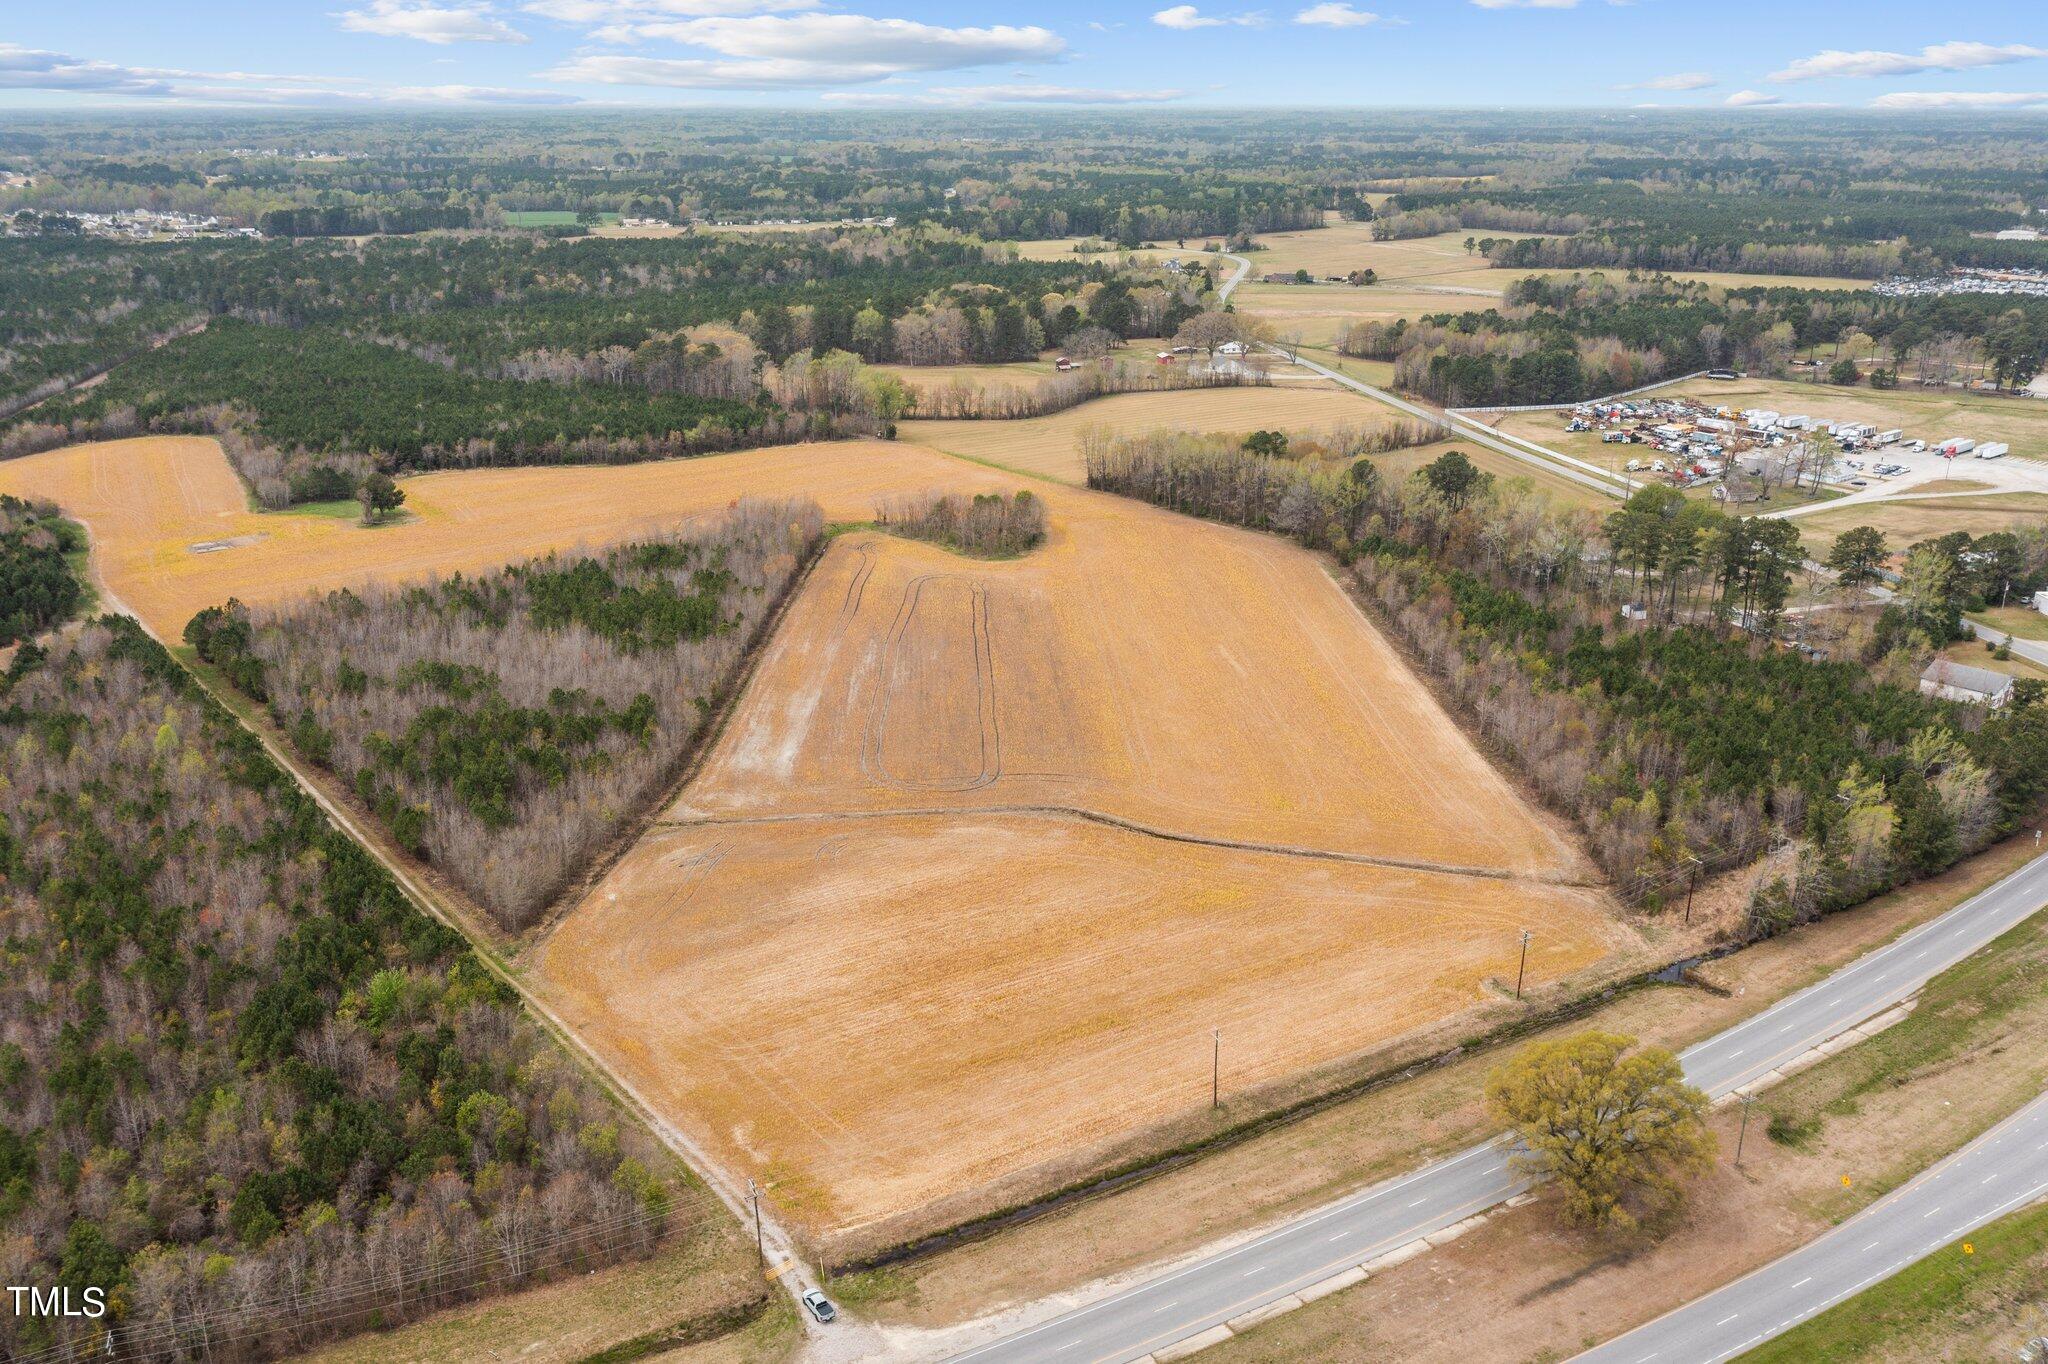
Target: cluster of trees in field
[
  {"x": 1696, "y": 735},
  {"x": 244, "y": 1086},
  {"x": 987, "y": 525},
  {"x": 38, "y": 588},
  {"x": 1560, "y": 339},
  {"x": 502, "y": 726}
]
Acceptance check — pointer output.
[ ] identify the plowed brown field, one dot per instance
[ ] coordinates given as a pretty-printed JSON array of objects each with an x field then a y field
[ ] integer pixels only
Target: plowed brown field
[{"x": 987, "y": 848}]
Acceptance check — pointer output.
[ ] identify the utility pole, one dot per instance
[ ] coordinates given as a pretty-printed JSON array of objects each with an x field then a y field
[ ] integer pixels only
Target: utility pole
[
  {"x": 760, "y": 1246},
  {"x": 1216, "y": 1068},
  {"x": 1521, "y": 970},
  {"x": 1691, "y": 879},
  {"x": 1743, "y": 1131}
]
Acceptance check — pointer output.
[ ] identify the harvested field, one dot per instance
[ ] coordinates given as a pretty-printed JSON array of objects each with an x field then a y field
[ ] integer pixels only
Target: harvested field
[
  {"x": 1051, "y": 445},
  {"x": 928, "y": 1004},
  {"x": 1033, "y": 827},
  {"x": 148, "y": 501},
  {"x": 987, "y": 847}
]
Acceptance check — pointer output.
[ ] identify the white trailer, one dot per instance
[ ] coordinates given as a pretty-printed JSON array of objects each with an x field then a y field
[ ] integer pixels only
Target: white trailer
[
  {"x": 1889, "y": 437},
  {"x": 1992, "y": 449}
]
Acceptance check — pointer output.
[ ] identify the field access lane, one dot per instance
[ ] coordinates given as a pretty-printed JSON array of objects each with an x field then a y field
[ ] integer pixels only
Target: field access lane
[{"x": 1200, "y": 1297}]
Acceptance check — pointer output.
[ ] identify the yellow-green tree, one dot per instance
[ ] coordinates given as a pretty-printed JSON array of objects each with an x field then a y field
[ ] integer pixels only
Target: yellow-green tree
[{"x": 1619, "y": 1130}]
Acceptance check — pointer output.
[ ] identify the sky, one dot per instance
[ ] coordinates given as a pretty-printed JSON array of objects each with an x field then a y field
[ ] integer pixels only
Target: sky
[{"x": 857, "y": 54}]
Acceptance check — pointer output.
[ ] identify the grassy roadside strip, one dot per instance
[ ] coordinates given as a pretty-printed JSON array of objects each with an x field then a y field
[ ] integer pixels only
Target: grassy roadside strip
[
  {"x": 1888, "y": 1108},
  {"x": 1950, "y": 1305},
  {"x": 1992, "y": 1005}
]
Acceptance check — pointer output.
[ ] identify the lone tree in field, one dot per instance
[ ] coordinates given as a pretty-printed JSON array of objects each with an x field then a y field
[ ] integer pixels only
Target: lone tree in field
[
  {"x": 1455, "y": 479},
  {"x": 1619, "y": 1132},
  {"x": 1858, "y": 554},
  {"x": 379, "y": 497}
]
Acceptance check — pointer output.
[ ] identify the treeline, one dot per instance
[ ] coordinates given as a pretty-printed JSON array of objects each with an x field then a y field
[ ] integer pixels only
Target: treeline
[
  {"x": 1693, "y": 736},
  {"x": 339, "y": 220},
  {"x": 963, "y": 399},
  {"x": 244, "y": 1086},
  {"x": 38, "y": 588},
  {"x": 328, "y": 403},
  {"x": 1562, "y": 339},
  {"x": 987, "y": 525},
  {"x": 503, "y": 726},
  {"x": 1736, "y": 253}
]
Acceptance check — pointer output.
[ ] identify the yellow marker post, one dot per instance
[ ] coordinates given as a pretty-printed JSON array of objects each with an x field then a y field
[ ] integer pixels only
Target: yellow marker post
[
  {"x": 1969, "y": 1249},
  {"x": 1845, "y": 1181}
]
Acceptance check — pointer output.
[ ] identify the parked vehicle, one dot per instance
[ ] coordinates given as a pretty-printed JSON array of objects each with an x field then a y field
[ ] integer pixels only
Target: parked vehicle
[
  {"x": 820, "y": 1306},
  {"x": 1992, "y": 449}
]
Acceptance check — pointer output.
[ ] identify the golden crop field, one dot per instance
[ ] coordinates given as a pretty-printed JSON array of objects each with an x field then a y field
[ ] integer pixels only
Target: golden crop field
[
  {"x": 172, "y": 531},
  {"x": 987, "y": 847},
  {"x": 1051, "y": 445}
]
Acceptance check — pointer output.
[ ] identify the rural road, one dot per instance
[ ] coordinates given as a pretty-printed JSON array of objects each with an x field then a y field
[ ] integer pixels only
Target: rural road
[
  {"x": 2004, "y": 1169},
  {"x": 1564, "y": 466},
  {"x": 1196, "y": 1300},
  {"x": 2028, "y": 649}
]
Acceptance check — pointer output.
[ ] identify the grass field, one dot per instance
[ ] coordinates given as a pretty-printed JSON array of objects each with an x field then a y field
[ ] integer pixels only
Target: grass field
[
  {"x": 987, "y": 848},
  {"x": 1417, "y": 277},
  {"x": 2021, "y": 622},
  {"x": 1050, "y": 445},
  {"x": 1032, "y": 829},
  {"x": 1913, "y": 520},
  {"x": 552, "y": 218}
]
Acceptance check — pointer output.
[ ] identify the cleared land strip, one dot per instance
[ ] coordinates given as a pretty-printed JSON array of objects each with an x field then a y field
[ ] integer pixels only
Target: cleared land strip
[{"x": 1147, "y": 830}]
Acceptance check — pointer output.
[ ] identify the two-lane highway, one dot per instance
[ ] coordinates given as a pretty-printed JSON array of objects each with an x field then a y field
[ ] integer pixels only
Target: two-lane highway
[
  {"x": 2005, "y": 1169},
  {"x": 1192, "y": 1299}
]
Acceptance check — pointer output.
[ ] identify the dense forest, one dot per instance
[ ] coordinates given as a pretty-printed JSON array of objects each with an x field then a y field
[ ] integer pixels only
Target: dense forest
[
  {"x": 326, "y": 360},
  {"x": 1694, "y": 736},
  {"x": 39, "y": 587},
  {"x": 243, "y": 1083},
  {"x": 504, "y": 726}
]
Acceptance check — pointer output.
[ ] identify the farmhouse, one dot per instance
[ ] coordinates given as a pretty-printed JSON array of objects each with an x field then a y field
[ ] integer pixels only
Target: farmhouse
[{"x": 1961, "y": 682}]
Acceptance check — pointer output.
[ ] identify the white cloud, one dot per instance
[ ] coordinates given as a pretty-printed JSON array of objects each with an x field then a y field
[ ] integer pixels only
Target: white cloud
[
  {"x": 24, "y": 68},
  {"x": 769, "y": 52},
  {"x": 1683, "y": 80},
  {"x": 1528, "y": 4},
  {"x": 1336, "y": 14},
  {"x": 1751, "y": 99},
  {"x": 1935, "y": 57},
  {"x": 430, "y": 23},
  {"x": 1188, "y": 17},
  {"x": 968, "y": 96},
  {"x": 1960, "y": 99},
  {"x": 616, "y": 12}
]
